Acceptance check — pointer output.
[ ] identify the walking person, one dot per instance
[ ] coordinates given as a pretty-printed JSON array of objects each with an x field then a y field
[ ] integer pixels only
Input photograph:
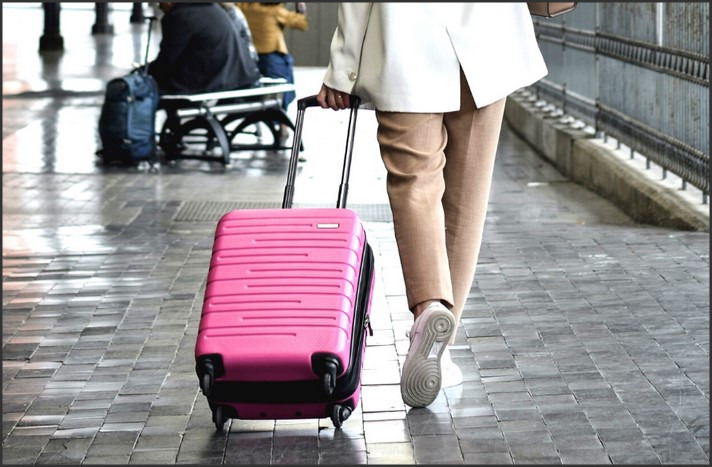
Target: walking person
[{"x": 437, "y": 75}]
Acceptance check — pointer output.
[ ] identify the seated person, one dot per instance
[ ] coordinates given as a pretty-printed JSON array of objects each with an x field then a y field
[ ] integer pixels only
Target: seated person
[
  {"x": 201, "y": 51},
  {"x": 243, "y": 28}
]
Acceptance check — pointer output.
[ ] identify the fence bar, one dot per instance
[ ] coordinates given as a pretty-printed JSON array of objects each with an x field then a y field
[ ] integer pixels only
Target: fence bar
[{"x": 637, "y": 72}]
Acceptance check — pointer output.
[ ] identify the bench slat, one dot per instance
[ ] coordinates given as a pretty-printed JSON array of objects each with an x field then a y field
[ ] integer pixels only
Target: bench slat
[
  {"x": 234, "y": 94},
  {"x": 240, "y": 107}
]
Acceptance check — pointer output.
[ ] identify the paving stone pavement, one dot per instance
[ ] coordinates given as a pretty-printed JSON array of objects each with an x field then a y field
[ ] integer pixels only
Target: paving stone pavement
[{"x": 585, "y": 338}]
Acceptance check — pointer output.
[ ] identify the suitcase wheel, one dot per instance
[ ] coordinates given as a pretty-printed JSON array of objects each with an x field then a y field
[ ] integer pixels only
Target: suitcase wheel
[
  {"x": 219, "y": 418},
  {"x": 339, "y": 413},
  {"x": 329, "y": 378},
  {"x": 206, "y": 384},
  {"x": 206, "y": 369}
]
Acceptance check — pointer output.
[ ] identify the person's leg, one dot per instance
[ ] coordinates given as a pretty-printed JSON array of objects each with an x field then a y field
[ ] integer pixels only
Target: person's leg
[
  {"x": 412, "y": 147},
  {"x": 263, "y": 64},
  {"x": 473, "y": 135},
  {"x": 288, "y": 74},
  {"x": 278, "y": 65}
]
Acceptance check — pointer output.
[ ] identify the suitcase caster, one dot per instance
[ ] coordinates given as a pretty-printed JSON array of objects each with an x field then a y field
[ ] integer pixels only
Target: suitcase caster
[
  {"x": 339, "y": 413},
  {"x": 206, "y": 384},
  {"x": 207, "y": 370},
  {"x": 329, "y": 377},
  {"x": 219, "y": 418},
  {"x": 326, "y": 366}
]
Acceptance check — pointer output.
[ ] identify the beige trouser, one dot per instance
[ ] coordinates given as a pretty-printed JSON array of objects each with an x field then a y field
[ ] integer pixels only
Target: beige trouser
[{"x": 439, "y": 174}]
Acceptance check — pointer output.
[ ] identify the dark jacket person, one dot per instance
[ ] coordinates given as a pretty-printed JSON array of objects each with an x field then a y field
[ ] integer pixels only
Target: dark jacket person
[{"x": 201, "y": 51}]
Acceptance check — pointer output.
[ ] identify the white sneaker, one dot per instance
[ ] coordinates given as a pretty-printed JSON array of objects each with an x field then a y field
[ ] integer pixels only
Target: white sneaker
[
  {"x": 452, "y": 375},
  {"x": 422, "y": 374}
]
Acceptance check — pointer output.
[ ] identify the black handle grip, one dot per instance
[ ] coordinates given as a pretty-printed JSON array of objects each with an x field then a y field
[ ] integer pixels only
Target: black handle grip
[{"x": 310, "y": 101}]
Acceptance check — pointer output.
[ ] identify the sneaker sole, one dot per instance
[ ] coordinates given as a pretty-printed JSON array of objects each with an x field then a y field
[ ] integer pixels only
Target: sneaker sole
[{"x": 422, "y": 375}]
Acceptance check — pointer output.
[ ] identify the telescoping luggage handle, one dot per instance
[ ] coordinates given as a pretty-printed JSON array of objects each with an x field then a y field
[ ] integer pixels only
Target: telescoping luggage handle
[
  {"x": 302, "y": 105},
  {"x": 150, "y": 20}
]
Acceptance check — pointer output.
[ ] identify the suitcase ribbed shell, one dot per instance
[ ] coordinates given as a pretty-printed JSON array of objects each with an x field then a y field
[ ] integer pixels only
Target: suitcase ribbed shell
[{"x": 282, "y": 287}]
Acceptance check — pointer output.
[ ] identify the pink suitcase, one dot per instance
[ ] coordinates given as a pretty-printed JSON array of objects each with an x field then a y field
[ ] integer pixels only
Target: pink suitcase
[{"x": 283, "y": 326}]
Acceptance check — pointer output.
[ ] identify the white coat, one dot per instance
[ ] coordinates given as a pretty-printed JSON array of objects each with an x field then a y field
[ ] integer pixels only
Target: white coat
[{"x": 405, "y": 57}]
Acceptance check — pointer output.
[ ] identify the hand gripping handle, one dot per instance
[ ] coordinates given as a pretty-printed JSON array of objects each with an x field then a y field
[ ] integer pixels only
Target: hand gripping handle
[{"x": 302, "y": 105}]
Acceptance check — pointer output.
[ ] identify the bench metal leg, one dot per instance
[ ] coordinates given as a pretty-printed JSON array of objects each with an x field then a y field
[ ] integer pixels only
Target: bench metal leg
[
  {"x": 169, "y": 139},
  {"x": 177, "y": 138},
  {"x": 220, "y": 134}
]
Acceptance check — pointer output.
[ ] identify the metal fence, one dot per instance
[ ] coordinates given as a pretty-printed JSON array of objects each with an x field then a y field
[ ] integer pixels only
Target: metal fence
[{"x": 638, "y": 72}]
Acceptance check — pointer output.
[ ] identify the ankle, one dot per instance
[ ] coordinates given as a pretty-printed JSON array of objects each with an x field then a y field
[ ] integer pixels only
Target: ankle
[{"x": 420, "y": 307}]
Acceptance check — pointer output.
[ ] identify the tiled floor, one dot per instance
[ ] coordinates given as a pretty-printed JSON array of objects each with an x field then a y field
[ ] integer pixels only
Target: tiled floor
[{"x": 585, "y": 338}]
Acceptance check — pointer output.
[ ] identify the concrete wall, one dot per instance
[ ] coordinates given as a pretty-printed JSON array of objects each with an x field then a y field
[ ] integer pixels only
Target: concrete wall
[
  {"x": 578, "y": 157},
  {"x": 311, "y": 48}
]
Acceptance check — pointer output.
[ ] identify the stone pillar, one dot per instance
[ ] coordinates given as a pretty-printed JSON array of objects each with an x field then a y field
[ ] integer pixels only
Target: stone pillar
[
  {"x": 51, "y": 39},
  {"x": 137, "y": 13},
  {"x": 102, "y": 25}
]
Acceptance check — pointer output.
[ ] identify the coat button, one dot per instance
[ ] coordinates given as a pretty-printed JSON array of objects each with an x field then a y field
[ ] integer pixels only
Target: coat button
[{"x": 352, "y": 76}]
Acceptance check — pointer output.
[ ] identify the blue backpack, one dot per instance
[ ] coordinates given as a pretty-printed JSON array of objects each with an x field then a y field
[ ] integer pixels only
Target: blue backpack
[
  {"x": 128, "y": 119},
  {"x": 127, "y": 124}
]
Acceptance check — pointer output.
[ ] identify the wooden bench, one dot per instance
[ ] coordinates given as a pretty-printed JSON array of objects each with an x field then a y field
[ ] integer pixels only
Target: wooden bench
[{"x": 200, "y": 126}]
